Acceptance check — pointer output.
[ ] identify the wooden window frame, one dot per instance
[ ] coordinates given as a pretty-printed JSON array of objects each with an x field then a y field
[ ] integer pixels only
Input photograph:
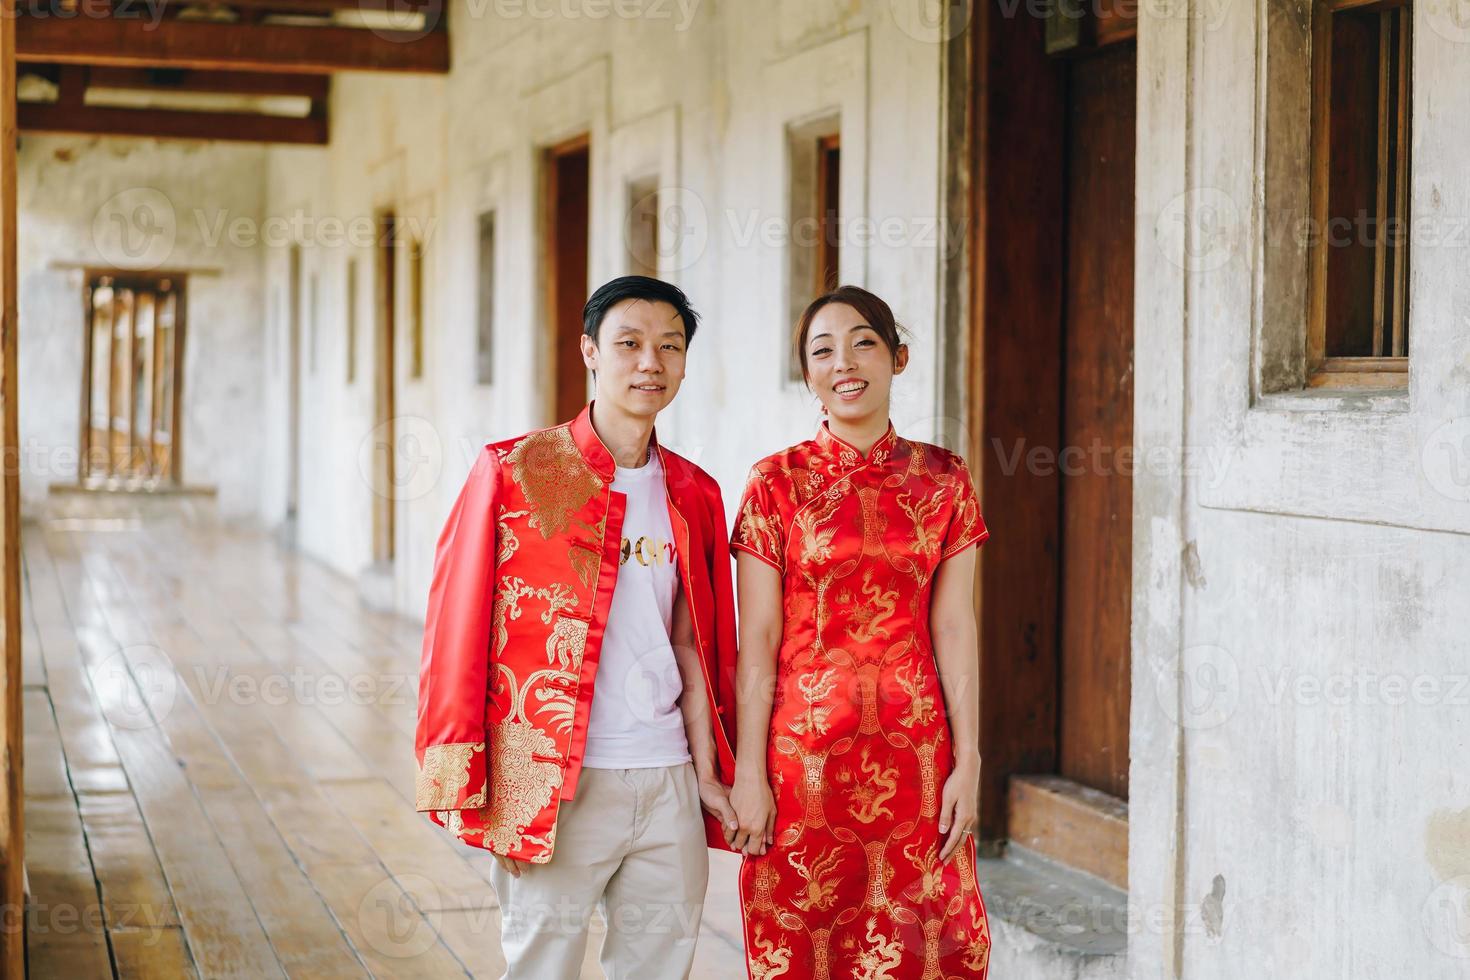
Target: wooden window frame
[
  {"x": 351, "y": 317},
  {"x": 1358, "y": 372},
  {"x": 813, "y": 150},
  {"x": 161, "y": 282},
  {"x": 416, "y": 308},
  {"x": 486, "y": 227}
]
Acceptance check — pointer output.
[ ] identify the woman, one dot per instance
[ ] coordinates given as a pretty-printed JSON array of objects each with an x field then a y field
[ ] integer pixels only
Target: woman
[{"x": 858, "y": 766}]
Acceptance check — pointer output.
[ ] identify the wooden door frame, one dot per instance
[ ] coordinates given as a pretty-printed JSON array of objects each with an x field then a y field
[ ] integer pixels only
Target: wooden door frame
[
  {"x": 549, "y": 285},
  {"x": 1016, "y": 100},
  {"x": 385, "y": 322},
  {"x": 12, "y": 780}
]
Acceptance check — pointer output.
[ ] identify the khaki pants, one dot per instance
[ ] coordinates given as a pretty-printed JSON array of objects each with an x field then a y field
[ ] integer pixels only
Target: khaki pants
[{"x": 631, "y": 844}]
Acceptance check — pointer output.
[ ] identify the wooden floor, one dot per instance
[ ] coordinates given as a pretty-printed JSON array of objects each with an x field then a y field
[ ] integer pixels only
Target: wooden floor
[{"x": 219, "y": 772}]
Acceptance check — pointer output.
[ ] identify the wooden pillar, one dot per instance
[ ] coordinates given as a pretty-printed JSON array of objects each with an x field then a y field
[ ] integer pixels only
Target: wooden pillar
[{"x": 12, "y": 785}]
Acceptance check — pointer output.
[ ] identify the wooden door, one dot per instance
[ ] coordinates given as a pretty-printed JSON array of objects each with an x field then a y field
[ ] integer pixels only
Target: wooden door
[
  {"x": 293, "y": 388},
  {"x": 567, "y": 215},
  {"x": 1097, "y": 422},
  {"x": 384, "y": 386},
  {"x": 12, "y": 783},
  {"x": 1051, "y": 410}
]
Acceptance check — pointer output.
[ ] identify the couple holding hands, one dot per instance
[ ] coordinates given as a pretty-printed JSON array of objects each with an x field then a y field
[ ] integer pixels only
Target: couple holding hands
[{"x": 590, "y": 714}]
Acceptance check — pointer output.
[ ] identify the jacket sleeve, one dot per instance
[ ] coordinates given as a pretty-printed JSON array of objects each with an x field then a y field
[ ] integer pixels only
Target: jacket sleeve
[
  {"x": 455, "y": 665},
  {"x": 725, "y": 632}
]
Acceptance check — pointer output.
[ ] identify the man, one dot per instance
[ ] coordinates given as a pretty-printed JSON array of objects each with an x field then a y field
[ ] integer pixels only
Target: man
[{"x": 576, "y": 692}]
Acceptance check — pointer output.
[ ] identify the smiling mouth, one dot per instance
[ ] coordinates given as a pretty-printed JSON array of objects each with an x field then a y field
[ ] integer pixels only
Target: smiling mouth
[
  {"x": 648, "y": 387},
  {"x": 850, "y": 389}
]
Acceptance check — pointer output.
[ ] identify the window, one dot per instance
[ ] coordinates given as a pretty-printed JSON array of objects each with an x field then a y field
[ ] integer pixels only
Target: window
[
  {"x": 1358, "y": 331},
  {"x": 416, "y": 309},
  {"x": 132, "y": 372},
  {"x": 641, "y": 233},
  {"x": 311, "y": 315},
  {"x": 485, "y": 323},
  {"x": 814, "y": 154}
]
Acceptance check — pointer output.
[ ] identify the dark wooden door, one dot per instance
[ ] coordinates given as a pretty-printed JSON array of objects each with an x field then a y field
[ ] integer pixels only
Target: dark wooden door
[
  {"x": 1097, "y": 422},
  {"x": 385, "y": 387},
  {"x": 568, "y": 169}
]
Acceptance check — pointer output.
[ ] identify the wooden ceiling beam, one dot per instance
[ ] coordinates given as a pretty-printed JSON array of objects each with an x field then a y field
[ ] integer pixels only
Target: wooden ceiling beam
[
  {"x": 231, "y": 82},
  {"x": 206, "y": 45},
  {"x": 45, "y": 117},
  {"x": 430, "y": 8}
]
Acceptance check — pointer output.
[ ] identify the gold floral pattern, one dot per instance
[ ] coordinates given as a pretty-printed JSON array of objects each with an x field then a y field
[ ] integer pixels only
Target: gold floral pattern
[
  {"x": 860, "y": 742},
  {"x": 554, "y": 478},
  {"x": 443, "y": 776}
]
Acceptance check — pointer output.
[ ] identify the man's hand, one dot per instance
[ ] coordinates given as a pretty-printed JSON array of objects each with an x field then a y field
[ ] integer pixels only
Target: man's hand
[
  {"x": 715, "y": 796},
  {"x": 510, "y": 865},
  {"x": 755, "y": 814}
]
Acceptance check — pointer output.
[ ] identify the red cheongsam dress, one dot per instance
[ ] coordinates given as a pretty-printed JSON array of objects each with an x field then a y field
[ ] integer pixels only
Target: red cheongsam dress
[{"x": 859, "y": 746}]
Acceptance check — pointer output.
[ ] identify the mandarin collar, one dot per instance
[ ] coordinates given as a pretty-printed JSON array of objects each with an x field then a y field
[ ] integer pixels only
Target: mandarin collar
[
  {"x": 847, "y": 455},
  {"x": 595, "y": 451}
]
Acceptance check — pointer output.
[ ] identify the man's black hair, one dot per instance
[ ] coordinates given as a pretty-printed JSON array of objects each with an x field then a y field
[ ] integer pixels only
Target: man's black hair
[{"x": 613, "y": 292}]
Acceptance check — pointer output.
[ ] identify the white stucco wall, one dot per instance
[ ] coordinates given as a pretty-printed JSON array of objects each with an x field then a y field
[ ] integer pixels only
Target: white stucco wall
[
  {"x": 151, "y": 204},
  {"x": 1302, "y": 690},
  {"x": 698, "y": 95}
]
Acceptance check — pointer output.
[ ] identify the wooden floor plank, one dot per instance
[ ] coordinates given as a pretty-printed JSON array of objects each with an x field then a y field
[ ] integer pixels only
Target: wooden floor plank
[
  {"x": 65, "y": 929},
  {"x": 235, "y": 832}
]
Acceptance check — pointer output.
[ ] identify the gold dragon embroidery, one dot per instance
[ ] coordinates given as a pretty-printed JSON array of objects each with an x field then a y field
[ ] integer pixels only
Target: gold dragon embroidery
[
  {"x": 870, "y": 795},
  {"x": 553, "y": 476}
]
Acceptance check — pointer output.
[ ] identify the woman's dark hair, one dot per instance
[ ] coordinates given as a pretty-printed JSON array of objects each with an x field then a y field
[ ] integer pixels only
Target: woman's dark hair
[
  {"x": 613, "y": 292},
  {"x": 870, "y": 307}
]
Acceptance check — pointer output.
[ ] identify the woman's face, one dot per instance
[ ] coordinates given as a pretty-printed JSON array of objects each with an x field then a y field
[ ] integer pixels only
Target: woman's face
[{"x": 849, "y": 365}]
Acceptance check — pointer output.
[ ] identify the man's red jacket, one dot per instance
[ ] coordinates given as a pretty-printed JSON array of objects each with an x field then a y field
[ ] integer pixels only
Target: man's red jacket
[{"x": 523, "y": 580}]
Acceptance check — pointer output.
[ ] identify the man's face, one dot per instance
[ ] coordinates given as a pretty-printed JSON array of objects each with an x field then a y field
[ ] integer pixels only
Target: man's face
[{"x": 638, "y": 357}]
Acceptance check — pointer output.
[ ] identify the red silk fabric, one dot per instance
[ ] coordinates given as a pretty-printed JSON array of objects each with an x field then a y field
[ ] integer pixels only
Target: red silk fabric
[
  {"x": 860, "y": 744},
  {"x": 523, "y": 579}
]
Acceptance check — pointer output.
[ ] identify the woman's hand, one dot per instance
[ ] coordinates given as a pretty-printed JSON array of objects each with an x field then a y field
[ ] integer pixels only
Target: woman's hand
[
  {"x": 715, "y": 797},
  {"x": 958, "y": 805},
  {"x": 755, "y": 814}
]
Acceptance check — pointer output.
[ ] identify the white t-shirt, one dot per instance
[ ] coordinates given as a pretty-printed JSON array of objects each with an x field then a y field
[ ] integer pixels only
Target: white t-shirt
[{"x": 635, "y": 721}]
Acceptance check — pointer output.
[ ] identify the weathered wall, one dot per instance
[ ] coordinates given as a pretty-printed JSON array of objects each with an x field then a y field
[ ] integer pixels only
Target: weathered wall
[
  {"x": 697, "y": 95},
  {"x": 1298, "y": 768},
  {"x": 150, "y": 204}
]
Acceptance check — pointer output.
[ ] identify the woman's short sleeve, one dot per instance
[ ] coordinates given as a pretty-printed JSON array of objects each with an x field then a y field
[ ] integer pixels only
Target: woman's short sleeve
[
  {"x": 966, "y": 526},
  {"x": 759, "y": 529}
]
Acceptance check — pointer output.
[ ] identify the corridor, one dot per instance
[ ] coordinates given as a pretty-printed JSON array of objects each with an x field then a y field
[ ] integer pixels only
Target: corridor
[{"x": 219, "y": 769}]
